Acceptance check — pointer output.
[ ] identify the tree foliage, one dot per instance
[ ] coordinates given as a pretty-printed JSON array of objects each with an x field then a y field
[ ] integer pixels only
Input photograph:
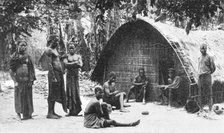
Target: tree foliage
[
  {"x": 193, "y": 10},
  {"x": 16, "y": 17},
  {"x": 13, "y": 21},
  {"x": 136, "y": 6}
]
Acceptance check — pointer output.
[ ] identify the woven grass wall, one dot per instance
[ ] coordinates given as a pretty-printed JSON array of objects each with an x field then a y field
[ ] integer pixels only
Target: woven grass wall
[{"x": 218, "y": 93}]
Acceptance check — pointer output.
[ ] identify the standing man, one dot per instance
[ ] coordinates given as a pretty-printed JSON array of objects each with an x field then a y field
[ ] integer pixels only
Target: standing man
[
  {"x": 23, "y": 75},
  {"x": 112, "y": 96},
  {"x": 55, "y": 78},
  {"x": 72, "y": 63},
  {"x": 96, "y": 114},
  {"x": 206, "y": 67},
  {"x": 139, "y": 86}
]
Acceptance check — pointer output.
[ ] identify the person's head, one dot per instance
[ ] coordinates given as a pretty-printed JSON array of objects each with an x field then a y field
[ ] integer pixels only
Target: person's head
[
  {"x": 53, "y": 41},
  {"x": 141, "y": 71},
  {"x": 71, "y": 49},
  {"x": 76, "y": 41},
  {"x": 171, "y": 72},
  {"x": 203, "y": 49},
  {"x": 98, "y": 92},
  {"x": 112, "y": 77},
  {"x": 22, "y": 46}
]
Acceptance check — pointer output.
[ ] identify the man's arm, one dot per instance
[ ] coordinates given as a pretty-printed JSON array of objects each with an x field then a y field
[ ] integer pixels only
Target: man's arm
[
  {"x": 135, "y": 82},
  {"x": 99, "y": 110},
  {"x": 107, "y": 90},
  {"x": 49, "y": 53},
  {"x": 138, "y": 83},
  {"x": 31, "y": 68},
  {"x": 175, "y": 84},
  {"x": 212, "y": 65},
  {"x": 68, "y": 64},
  {"x": 79, "y": 62}
]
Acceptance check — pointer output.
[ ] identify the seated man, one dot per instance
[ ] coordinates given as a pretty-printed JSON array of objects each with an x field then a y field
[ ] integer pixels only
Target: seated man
[
  {"x": 96, "y": 115},
  {"x": 139, "y": 86},
  {"x": 170, "y": 92},
  {"x": 112, "y": 96}
]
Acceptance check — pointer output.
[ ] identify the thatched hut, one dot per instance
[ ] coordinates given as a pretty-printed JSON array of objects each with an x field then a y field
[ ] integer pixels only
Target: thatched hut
[{"x": 144, "y": 43}]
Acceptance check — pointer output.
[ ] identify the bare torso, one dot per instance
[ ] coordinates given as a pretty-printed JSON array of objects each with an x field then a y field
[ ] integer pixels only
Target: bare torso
[
  {"x": 91, "y": 107},
  {"x": 73, "y": 58},
  {"x": 55, "y": 59}
]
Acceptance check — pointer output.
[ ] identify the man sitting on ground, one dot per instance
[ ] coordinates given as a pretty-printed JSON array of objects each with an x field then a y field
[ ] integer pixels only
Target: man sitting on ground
[
  {"x": 96, "y": 115},
  {"x": 112, "y": 96},
  {"x": 139, "y": 86},
  {"x": 170, "y": 92}
]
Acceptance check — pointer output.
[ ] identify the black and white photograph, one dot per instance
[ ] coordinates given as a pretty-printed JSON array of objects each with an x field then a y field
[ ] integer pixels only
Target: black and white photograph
[{"x": 111, "y": 66}]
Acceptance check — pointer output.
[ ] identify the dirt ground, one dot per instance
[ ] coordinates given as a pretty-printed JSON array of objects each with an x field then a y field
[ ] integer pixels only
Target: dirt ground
[{"x": 161, "y": 119}]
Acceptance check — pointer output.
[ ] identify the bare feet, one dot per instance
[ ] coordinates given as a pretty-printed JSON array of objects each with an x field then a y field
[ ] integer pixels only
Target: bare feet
[
  {"x": 27, "y": 117},
  {"x": 67, "y": 115},
  {"x": 52, "y": 116},
  {"x": 57, "y": 115},
  {"x": 126, "y": 105},
  {"x": 163, "y": 103},
  {"x": 127, "y": 100},
  {"x": 124, "y": 110},
  {"x": 135, "y": 123},
  {"x": 78, "y": 115},
  {"x": 18, "y": 117},
  {"x": 72, "y": 115}
]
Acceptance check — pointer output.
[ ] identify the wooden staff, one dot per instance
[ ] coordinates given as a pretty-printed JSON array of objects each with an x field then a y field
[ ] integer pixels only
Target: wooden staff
[
  {"x": 0, "y": 87},
  {"x": 144, "y": 87}
]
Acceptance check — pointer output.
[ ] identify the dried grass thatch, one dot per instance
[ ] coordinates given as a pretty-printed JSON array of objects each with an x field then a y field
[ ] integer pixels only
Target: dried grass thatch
[{"x": 185, "y": 46}]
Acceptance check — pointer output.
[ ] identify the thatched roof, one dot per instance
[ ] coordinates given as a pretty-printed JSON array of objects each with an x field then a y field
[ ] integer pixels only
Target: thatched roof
[{"x": 186, "y": 47}]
